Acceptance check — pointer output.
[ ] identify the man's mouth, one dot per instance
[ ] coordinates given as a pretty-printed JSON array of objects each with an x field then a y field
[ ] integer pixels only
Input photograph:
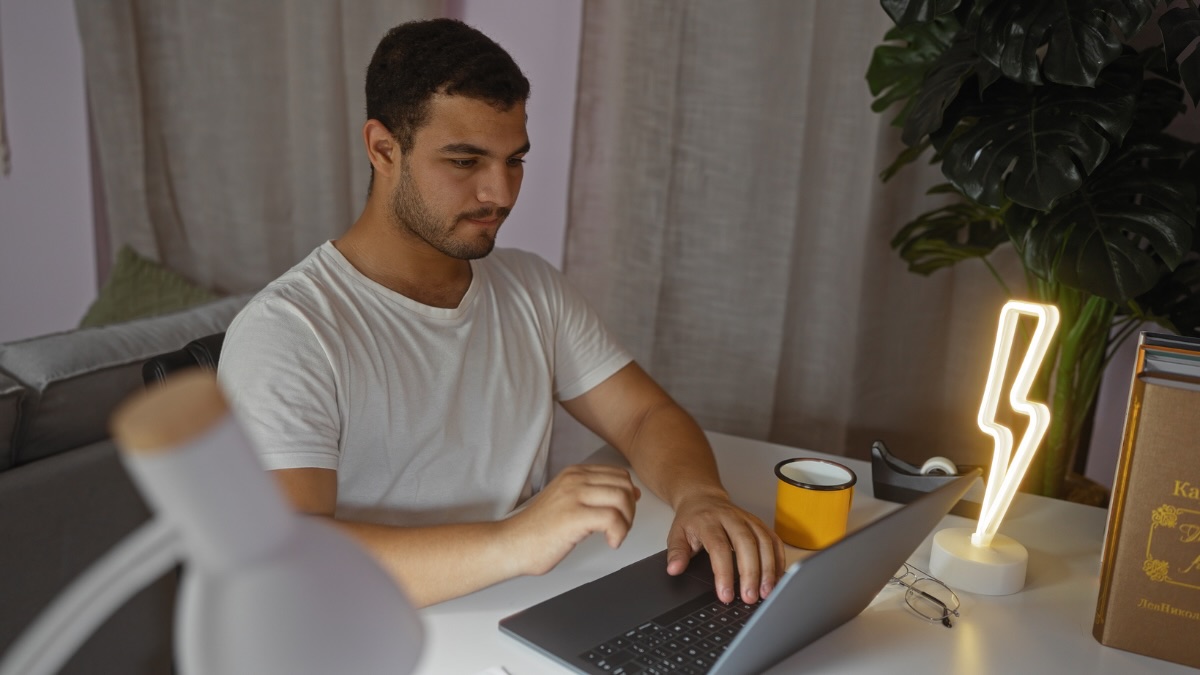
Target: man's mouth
[{"x": 490, "y": 217}]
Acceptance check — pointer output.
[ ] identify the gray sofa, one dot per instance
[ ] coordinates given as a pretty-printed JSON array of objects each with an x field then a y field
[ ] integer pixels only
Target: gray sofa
[{"x": 65, "y": 498}]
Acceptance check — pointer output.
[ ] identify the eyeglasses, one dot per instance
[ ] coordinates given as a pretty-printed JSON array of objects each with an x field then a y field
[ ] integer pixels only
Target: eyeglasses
[{"x": 928, "y": 597}]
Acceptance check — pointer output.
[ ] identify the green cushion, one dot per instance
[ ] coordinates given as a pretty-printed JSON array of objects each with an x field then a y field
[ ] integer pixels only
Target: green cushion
[{"x": 139, "y": 287}]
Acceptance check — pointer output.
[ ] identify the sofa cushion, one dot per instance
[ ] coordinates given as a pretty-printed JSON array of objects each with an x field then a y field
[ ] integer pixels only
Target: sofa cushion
[
  {"x": 11, "y": 393},
  {"x": 75, "y": 379},
  {"x": 138, "y": 287}
]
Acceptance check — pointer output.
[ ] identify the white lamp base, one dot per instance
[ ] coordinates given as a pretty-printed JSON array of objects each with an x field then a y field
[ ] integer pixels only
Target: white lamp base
[{"x": 995, "y": 570}]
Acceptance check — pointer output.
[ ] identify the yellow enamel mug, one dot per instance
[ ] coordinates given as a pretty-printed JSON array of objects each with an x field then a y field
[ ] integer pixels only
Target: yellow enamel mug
[{"x": 812, "y": 501}]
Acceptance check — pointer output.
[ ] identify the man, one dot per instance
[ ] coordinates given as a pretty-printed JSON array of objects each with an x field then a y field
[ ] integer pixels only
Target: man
[{"x": 400, "y": 380}]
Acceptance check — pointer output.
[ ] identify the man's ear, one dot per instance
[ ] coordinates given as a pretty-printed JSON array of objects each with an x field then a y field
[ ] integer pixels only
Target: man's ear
[{"x": 382, "y": 148}]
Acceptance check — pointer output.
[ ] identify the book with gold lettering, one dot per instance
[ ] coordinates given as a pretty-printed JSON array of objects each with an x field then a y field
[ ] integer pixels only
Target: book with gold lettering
[{"x": 1149, "y": 599}]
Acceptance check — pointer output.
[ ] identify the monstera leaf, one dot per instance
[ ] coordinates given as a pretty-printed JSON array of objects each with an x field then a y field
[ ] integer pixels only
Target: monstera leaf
[
  {"x": 898, "y": 66},
  {"x": 1159, "y": 103},
  {"x": 1033, "y": 146},
  {"x": 1180, "y": 30},
  {"x": 942, "y": 84},
  {"x": 1117, "y": 236},
  {"x": 951, "y": 234},
  {"x": 1078, "y": 37},
  {"x": 1174, "y": 302},
  {"x": 907, "y": 12}
]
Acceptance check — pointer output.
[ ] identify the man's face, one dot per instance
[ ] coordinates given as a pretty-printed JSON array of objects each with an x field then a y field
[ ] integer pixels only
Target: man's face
[{"x": 461, "y": 178}]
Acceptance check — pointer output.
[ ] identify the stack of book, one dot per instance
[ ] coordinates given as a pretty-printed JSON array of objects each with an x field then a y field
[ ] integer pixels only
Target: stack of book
[{"x": 1149, "y": 599}]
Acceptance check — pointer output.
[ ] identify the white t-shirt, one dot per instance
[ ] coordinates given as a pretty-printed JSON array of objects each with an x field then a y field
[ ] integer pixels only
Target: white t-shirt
[{"x": 429, "y": 415}]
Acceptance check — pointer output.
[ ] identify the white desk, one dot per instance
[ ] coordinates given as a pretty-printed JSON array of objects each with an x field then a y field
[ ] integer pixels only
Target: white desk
[{"x": 1045, "y": 628}]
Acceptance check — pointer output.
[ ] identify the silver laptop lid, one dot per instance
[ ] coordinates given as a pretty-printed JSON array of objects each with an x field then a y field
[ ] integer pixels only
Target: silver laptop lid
[{"x": 830, "y": 587}]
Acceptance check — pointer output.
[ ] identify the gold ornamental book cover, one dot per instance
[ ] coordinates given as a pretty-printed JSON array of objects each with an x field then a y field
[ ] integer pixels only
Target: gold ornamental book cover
[{"x": 1149, "y": 600}]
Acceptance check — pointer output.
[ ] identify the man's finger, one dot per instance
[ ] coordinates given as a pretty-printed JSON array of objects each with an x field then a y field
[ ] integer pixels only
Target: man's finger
[
  {"x": 720, "y": 554},
  {"x": 621, "y": 499},
  {"x": 745, "y": 543},
  {"x": 679, "y": 551},
  {"x": 613, "y": 524},
  {"x": 601, "y": 473},
  {"x": 771, "y": 565}
]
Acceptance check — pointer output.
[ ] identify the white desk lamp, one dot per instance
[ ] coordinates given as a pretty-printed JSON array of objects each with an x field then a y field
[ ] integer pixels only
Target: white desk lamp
[
  {"x": 985, "y": 561},
  {"x": 264, "y": 590}
]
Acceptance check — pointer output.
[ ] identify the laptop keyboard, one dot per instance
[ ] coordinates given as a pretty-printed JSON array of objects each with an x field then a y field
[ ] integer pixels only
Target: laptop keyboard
[{"x": 687, "y": 640}]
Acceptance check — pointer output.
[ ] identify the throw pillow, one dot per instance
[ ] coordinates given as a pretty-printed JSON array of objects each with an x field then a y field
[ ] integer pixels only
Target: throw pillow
[{"x": 139, "y": 287}]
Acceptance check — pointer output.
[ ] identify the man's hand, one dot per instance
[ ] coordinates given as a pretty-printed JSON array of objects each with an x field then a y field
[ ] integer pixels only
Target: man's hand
[
  {"x": 579, "y": 501},
  {"x": 671, "y": 455},
  {"x": 709, "y": 521},
  {"x": 440, "y": 562}
]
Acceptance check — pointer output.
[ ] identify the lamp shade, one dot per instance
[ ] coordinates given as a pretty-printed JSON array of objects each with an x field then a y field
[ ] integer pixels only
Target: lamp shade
[
  {"x": 265, "y": 591},
  {"x": 314, "y": 605}
]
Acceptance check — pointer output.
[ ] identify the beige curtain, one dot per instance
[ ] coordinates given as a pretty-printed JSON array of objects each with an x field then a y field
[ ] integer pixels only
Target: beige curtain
[
  {"x": 227, "y": 132},
  {"x": 728, "y": 220},
  {"x": 5, "y": 157}
]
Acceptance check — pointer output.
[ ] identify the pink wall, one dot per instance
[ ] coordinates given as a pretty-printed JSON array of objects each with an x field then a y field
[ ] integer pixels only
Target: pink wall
[
  {"x": 47, "y": 247},
  {"x": 543, "y": 38}
]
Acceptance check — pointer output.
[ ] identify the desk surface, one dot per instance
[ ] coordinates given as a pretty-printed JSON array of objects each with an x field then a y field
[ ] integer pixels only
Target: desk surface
[{"x": 1046, "y": 627}]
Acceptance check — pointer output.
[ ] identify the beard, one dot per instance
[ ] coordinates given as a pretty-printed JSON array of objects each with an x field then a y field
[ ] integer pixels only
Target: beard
[{"x": 411, "y": 213}]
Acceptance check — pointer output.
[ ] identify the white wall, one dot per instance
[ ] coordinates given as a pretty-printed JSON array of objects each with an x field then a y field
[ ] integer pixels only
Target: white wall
[
  {"x": 47, "y": 231},
  {"x": 47, "y": 244}
]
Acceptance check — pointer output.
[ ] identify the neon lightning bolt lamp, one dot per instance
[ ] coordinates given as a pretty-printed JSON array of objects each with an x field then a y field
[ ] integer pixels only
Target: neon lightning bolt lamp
[{"x": 985, "y": 561}]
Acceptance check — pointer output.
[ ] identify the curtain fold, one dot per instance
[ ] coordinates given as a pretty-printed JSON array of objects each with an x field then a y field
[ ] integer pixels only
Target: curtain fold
[
  {"x": 5, "y": 156},
  {"x": 728, "y": 221},
  {"x": 227, "y": 132}
]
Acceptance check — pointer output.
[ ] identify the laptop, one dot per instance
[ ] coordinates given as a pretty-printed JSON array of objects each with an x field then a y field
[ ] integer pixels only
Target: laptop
[{"x": 624, "y": 623}]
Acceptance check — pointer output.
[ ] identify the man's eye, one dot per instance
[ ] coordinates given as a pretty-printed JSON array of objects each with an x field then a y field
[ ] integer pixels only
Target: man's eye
[
  {"x": 463, "y": 163},
  {"x": 516, "y": 161}
]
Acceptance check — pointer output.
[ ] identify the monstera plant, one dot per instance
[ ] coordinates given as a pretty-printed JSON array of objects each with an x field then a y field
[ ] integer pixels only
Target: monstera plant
[{"x": 1052, "y": 122}]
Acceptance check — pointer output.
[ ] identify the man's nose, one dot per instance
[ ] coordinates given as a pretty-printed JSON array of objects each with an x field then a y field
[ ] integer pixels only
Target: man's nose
[{"x": 499, "y": 186}]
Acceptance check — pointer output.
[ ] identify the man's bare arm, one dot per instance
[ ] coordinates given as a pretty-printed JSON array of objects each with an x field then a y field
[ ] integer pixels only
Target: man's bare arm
[
  {"x": 670, "y": 453},
  {"x": 437, "y": 563}
]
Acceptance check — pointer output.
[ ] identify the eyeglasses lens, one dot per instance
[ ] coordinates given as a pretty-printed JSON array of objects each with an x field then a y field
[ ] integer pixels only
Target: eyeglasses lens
[{"x": 932, "y": 600}]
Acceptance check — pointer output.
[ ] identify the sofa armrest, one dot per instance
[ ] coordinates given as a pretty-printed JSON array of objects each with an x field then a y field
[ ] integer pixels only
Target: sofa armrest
[{"x": 57, "y": 517}]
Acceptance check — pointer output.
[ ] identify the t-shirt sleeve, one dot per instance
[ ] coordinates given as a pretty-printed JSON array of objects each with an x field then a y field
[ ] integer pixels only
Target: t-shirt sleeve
[
  {"x": 281, "y": 387},
  {"x": 586, "y": 354}
]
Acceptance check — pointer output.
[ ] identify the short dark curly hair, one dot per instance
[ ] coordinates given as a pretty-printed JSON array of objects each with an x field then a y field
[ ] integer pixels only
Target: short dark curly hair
[{"x": 418, "y": 59}]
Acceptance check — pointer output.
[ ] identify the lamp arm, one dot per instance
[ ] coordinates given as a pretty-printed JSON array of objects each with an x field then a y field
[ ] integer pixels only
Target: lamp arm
[{"x": 140, "y": 558}]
